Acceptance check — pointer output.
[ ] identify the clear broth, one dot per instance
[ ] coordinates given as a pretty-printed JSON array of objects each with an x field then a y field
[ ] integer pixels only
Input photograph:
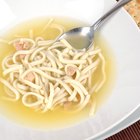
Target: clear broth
[{"x": 59, "y": 118}]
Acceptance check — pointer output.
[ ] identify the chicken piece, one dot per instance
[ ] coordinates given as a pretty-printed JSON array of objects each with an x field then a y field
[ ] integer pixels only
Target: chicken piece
[
  {"x": 21, "y": 45},
  {"x": 30, "y": 77},
  {"x": 67, "y": 105},
  {"x": 22, "y": 56},
  {"x": 70, "y": 69}
]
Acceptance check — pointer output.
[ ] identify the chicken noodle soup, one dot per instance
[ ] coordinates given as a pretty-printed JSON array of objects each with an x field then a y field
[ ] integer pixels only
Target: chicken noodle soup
[{"x": 46, "y": 75}]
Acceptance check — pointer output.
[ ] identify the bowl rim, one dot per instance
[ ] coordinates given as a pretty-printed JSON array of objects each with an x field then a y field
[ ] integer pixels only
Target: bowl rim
[{"x": 114, "y": 131}]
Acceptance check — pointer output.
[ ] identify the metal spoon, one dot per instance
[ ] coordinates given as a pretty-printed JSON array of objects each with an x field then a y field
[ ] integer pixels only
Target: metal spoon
[{"x": 83, "y": 37}]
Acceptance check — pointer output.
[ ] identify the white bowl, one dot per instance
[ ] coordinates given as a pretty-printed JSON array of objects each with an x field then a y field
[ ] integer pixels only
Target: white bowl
[{"x": 124, "y": 39}]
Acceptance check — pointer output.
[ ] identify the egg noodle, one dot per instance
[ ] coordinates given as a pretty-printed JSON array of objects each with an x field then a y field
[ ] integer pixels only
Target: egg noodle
[{"x": 46, "y": 74}]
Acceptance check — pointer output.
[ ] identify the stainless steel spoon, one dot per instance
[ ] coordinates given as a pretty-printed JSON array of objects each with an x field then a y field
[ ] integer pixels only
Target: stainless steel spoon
[{"x": 83, "y": 37}]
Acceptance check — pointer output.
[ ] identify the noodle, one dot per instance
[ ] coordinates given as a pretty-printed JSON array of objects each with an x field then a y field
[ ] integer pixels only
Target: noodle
[{"x": 46, "y": 74}]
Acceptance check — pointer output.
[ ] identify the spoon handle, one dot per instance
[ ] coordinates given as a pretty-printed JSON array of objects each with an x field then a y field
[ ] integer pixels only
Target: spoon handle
[{"x": 101, "y": 20}]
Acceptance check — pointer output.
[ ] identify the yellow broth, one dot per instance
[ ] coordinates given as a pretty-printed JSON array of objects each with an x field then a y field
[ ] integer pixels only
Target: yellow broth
[{"x": 57, "y": 118}]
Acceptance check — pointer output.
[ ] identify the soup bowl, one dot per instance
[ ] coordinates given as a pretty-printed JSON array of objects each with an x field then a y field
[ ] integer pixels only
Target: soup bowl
[{"x": 122, "y": 36}]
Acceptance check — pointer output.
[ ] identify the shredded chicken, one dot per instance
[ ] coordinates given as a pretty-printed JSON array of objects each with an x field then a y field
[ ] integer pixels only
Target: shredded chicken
[
  {"x": 70, "y": 70},
  {"x": 67, "y": 105},
  {"x": 30, "y": 77},
  {"x": 21, "y": 45}
]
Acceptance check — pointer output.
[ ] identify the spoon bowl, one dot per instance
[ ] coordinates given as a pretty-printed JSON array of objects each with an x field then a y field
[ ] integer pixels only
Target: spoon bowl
[
  {"x": 82, "y": 38},
  {"x": 79, "y": 38}
]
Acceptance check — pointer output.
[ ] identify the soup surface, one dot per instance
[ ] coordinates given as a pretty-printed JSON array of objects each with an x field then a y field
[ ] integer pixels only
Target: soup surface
[{"x": 59, "y": 117}]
